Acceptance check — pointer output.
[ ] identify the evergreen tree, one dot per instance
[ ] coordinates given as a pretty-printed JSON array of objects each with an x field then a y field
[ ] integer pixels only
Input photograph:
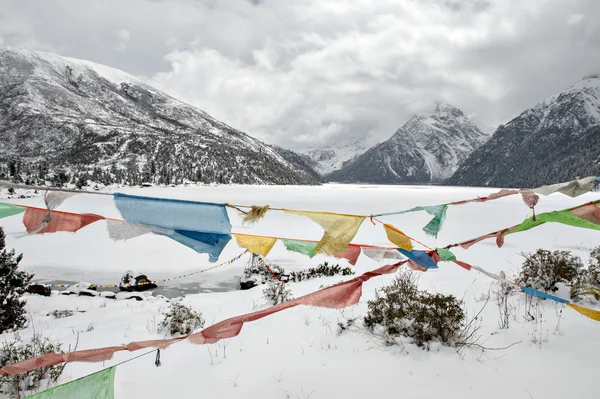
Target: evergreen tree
[{"x": 13, "y": 283}]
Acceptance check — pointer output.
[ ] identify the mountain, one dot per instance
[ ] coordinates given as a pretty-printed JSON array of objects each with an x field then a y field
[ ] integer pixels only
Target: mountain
[
  {"x": 334, "y": 157},
  {"x": 428, "y": 148},
  {"x": 557, "y": 140},
  {"x": 73, "y": 119}
]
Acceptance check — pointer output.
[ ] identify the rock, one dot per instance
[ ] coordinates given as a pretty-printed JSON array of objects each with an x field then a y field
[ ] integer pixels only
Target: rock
[
  {"x": 40, "y": 289},
  {"x": 88, "y": 293},
  {"x": 248, "y": 282},
  {"x": 108, "y": 295},
  {"x": 133, "y": 281},
  {"x": 79, "y": 287},
  {"x": 127, "y": 295}
]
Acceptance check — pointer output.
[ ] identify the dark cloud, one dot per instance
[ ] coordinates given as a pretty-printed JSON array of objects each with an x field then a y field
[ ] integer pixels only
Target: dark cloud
[{"x": 308, "y": 72}]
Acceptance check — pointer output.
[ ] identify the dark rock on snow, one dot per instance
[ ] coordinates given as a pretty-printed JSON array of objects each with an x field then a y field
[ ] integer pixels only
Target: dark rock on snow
[{"x": 40, "y": 289}]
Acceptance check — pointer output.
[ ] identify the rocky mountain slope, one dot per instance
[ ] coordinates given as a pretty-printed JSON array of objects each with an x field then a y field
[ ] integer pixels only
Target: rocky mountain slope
[
  {"x": 557, "y": 140},
  {"x": 65, "y": 116},
  {"x": 428, "y": 148},
  {"x": 334, "y": 157}
]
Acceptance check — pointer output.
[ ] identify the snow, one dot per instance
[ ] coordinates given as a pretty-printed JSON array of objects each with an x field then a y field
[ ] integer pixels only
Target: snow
[
  {"x": 334, "y": 156},
  {"x": 298, "y": 353}
]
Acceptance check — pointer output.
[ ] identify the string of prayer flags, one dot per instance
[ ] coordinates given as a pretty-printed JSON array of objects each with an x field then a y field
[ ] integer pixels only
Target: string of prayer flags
[
  {"x": 378, "y": 254},
  {"x": 339, "y": 229},
  {"x": 587, "y": 312},
  {"x": 255, "y": 244},
  {"x": 337, "y": 296},
  {"x": 422, "y": 258},
  {"x": 120, "y": 230},
  {"x": 533, "y": 292},
  {"x": 573, "y": 188},
  {"x": 204, "y": 227},
  {"x": 99, "y": 385},
  {"x": 499, "y": 235},
  {"x": 397, "y": 237},
  {"x": 36, "y": 221},
  {"x": 302, "y": 247},
  {"x": 585, "y": 216},
  {"x": 445, "y": 255},
  {"x": 7, "y": 210},
  {"x": 439, "y": 215},
  {"x": 351, "y": 252},
  {"x": 54, "y": 199},
  {"x": 529, "y": 197},
  {"x": 203, "y": 243},
  {"x": 255, "y": 213}
]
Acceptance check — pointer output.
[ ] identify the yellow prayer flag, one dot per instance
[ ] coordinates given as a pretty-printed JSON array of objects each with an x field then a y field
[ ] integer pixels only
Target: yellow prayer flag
[
  {"x": 339, "y": 229},
  {"x": 587, "y": 312},
  {"x": 255, "y": 244},
  {"x": 397, "y": 237}
]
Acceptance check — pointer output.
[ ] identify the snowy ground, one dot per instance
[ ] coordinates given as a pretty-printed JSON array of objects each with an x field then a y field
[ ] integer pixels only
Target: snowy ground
[{"x": 298, "y": 353}]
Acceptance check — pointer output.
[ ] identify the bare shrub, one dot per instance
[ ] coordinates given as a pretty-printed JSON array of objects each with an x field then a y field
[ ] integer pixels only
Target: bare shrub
[
  {"x": 180, "y": 319},
  {"x": 277, "y": 292}
]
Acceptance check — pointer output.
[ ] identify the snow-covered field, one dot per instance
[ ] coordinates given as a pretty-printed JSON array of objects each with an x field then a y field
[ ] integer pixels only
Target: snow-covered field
[{"x": 298, "y": 353}]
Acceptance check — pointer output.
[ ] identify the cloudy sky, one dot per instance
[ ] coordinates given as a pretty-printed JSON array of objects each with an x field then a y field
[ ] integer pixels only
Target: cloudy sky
[{"x": 305, "y": 73}]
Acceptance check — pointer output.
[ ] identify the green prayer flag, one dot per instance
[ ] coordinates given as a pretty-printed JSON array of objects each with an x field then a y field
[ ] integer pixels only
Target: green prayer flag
[
  {"x": 304, "y": 247},
  {"x": 7, "y": 210},
  {"x": 445, "y": 255},
  {"x": 564, "y": 217},
  {"x": 99, "y": 385},
  {"x": 439, "y": 215}
]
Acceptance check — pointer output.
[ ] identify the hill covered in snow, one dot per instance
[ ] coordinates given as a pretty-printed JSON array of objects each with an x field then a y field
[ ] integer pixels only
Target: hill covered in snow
[
  {"x": 556, "y": 140},
  {"x": 63, "y": 119}
]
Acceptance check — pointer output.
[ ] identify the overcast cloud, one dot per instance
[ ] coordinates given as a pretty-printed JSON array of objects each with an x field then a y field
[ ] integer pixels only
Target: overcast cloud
[{"x": 303, "y": 73}]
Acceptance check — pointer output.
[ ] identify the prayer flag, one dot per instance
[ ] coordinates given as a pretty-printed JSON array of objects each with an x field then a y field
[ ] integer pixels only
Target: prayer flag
[
  {"x": 339, "y": 229},
  {"x": 100, "y": 385}
]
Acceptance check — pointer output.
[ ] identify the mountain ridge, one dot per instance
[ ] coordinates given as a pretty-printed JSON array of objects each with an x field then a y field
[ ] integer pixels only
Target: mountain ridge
[
  {"x": 427, "y": 148},
  {"x": 94, "y": 121},
  {"x": 558, "y": 139}
]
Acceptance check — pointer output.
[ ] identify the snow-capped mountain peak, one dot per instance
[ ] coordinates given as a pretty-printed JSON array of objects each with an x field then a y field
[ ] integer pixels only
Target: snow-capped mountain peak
[
  {"x": 427, "y": 148},
  {"x": 555, "y": 140}
]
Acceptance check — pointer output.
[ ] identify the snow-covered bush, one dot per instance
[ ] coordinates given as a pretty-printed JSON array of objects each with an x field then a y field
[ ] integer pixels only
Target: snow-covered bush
[
  {"x": 323, "y": 270},
  {"x": 277, "y": 292},
  {"x": 255, "y": 273},
  {"x": 401, "y": 309},
  {"x": 593, "y": 270},
  {"x": 180, "y": 319},
  {"x": 502, "y": 291},
  {"x": 61, "y": 314},
  {"x": 13, "y": 284},
  {"x": 14, "y": 351},
  {"x": 543, "y": 269}
]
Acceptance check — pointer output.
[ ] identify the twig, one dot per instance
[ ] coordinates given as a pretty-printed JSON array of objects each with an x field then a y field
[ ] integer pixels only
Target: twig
[
  {"x": 211, "y": 356},
  {"x": 304, "y": 353},
  {"x": 278, "y": 379},
  {"x": 485, "y": 348},
  {"x": 234, "y": 381}
]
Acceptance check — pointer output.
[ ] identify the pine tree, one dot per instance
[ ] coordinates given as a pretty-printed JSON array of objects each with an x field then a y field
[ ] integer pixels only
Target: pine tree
[{"x": 13, "y": 283}]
